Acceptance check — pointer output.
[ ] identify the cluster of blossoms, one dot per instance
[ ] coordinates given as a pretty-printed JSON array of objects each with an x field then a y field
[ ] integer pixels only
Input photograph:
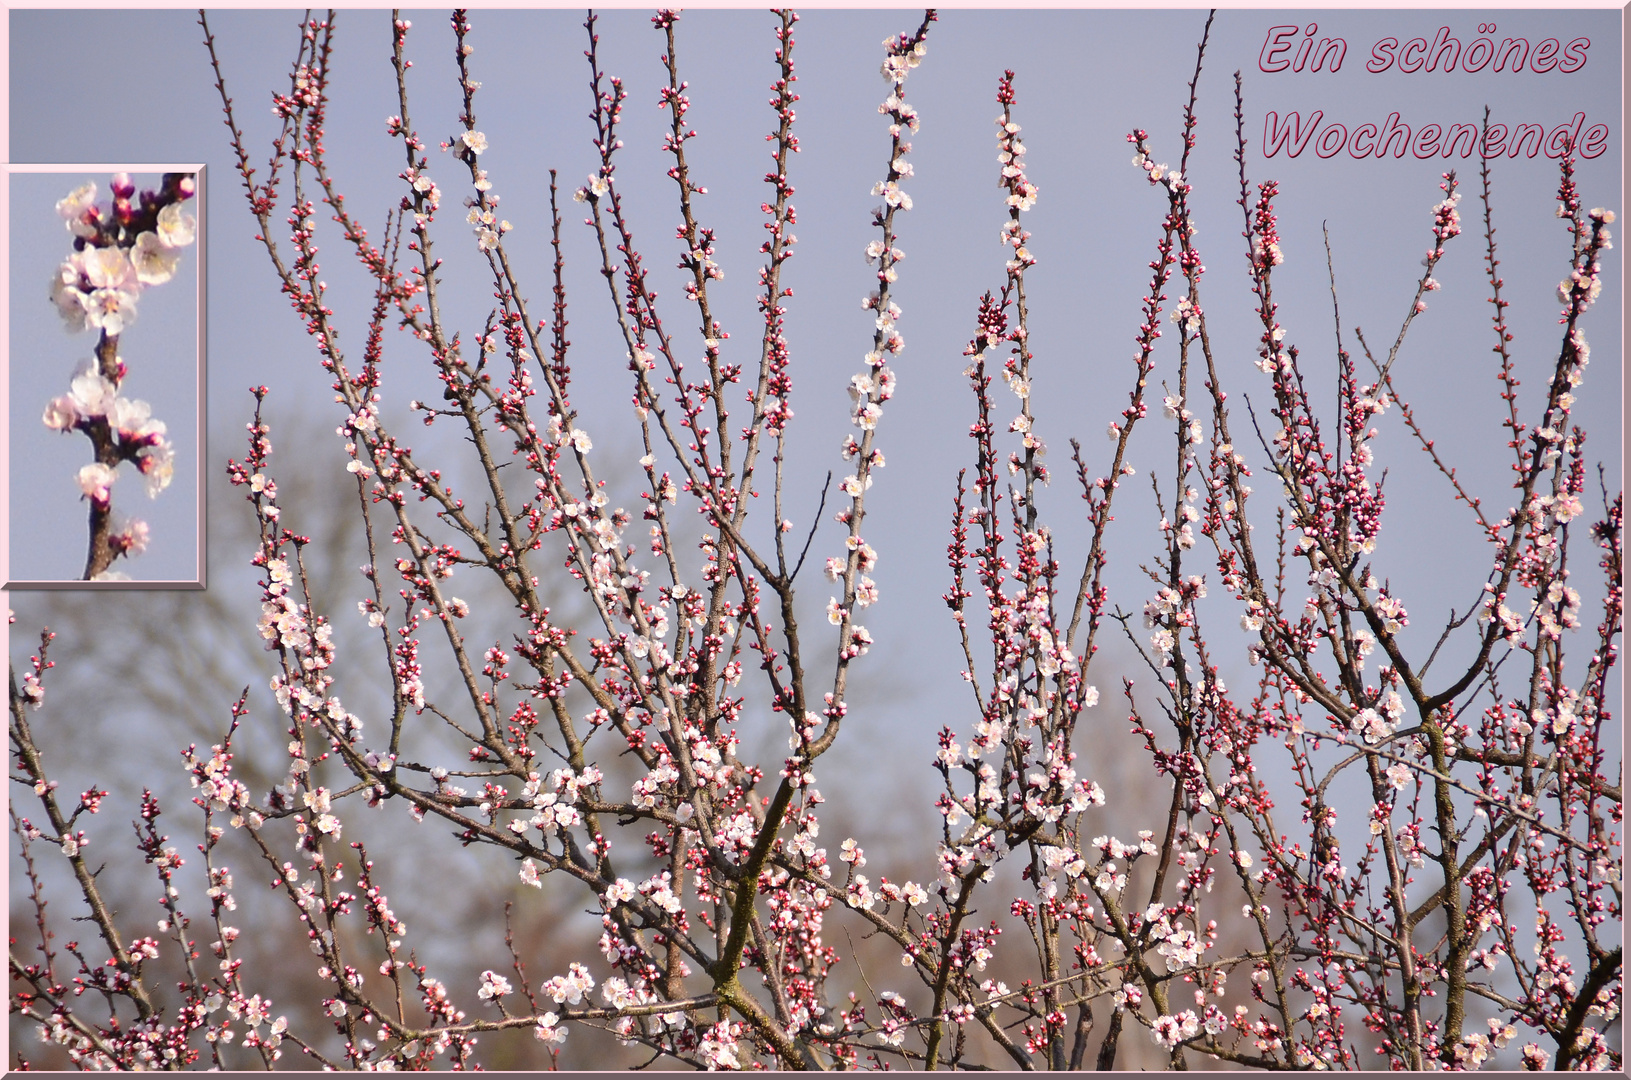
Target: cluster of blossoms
[
  {"x": 138, "y": 437},
  {"x": 1161, "y": 174},
  {"x": 118, "y": 252},
  {"x": 872, "y": 387}
]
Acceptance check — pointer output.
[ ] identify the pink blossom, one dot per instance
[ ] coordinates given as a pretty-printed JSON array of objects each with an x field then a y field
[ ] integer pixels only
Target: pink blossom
[
  {"x": 130, "y": 536},
  {"x": 176, "y": 227},
  {"x": 154, "y": 262},
  {"x": 61, "y": 413},
  {"x": 94, "y": 481}
]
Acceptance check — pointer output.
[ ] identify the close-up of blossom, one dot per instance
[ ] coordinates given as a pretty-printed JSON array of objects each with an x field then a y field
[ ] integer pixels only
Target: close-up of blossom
[
  {"x": 1239, "y": 674},
  {"x": 94, "y": 481},
  {"x": 119, "y": 251}
]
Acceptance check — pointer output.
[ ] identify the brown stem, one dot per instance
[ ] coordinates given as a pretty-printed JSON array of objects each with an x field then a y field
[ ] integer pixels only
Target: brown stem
[{"x": 99, "y": 554}]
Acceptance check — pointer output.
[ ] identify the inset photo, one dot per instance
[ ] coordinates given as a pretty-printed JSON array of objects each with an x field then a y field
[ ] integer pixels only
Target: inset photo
[{"x": 105, "y": 376}]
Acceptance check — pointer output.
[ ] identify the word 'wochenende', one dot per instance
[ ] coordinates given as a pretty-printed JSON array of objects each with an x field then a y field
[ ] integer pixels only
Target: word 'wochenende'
[{"x": 1293, "y": 134}]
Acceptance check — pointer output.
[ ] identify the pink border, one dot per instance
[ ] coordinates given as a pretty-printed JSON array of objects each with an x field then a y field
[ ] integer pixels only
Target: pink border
[
  {"x": 5, "y": 229},
  {"x": 885, "y": 5}
]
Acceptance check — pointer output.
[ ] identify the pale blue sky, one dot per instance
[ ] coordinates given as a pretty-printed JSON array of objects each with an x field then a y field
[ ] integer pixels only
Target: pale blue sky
[{"x": 1084, "y": 80}]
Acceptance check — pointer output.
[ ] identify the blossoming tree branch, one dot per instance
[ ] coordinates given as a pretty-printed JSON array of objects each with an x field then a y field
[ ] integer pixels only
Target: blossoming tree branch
[
  {"x": 1357, "y": 856},
  {"x": 119, "y": 251}
]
